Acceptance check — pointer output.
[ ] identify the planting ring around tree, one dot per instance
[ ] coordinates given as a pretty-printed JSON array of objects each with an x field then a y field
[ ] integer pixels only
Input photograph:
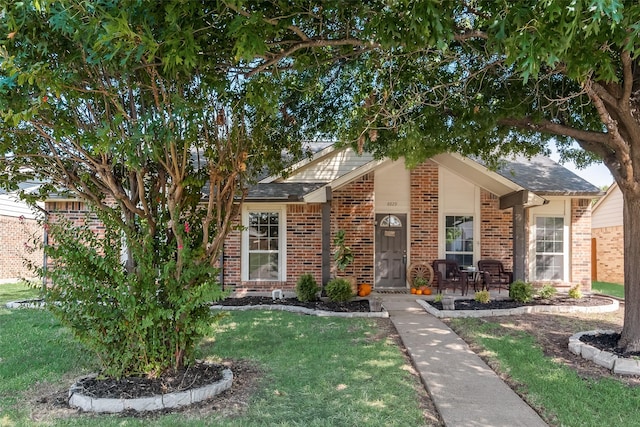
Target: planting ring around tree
[{"x": 420, "y": 270}]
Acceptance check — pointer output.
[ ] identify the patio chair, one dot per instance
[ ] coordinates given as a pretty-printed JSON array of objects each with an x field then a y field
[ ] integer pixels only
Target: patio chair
[
  {"x": 449, "y": 275},
  {"x": 494, "y": 274}
]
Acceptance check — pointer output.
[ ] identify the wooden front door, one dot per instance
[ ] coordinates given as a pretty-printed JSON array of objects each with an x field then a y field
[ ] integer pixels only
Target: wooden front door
[{"x": 391, "y": 250}]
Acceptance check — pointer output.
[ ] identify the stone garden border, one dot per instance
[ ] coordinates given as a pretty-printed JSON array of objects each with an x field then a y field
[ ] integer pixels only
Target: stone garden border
[
  {"x": 615, "y": 304},
  {"x": 301, "y": 310},
  {"x": 152, "y": 403},
  {"x": 617, "y": 365}
]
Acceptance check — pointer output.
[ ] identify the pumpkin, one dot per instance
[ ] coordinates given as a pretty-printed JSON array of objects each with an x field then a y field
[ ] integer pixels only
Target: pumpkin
[
  {"x": 426, "y": 291},
  {"x": 413, "y": 291},
  {"x": 364, "y": 289},
  {"x": 418, "y": 291}
]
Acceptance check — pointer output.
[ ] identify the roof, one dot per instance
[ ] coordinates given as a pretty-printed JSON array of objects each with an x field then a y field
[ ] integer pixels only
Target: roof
[
  {"x": 281, "y": 192},
  {"x": 544, "y": 176}
]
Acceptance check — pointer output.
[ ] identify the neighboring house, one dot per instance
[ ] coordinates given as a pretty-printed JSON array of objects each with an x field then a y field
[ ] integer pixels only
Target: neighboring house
[
  {"x": 534, "y": 215},
  {"x": 606, "y": 232},
  {"x": 18, "y": 226}
]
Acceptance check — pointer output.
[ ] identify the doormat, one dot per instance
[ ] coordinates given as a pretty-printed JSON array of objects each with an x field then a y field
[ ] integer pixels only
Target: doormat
[{"x": 392, "y": 291}]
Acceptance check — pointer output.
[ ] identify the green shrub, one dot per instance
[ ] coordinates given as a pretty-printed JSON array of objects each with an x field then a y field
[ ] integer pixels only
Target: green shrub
[
  {"x": 339, "y": 290},
  {"x": 482, "y": 297},
  {"x": 547, "y": 291},
  {"x": 575, "y": 292},
  {"x": 521, "y": 291},
  {"x": 306, "y": 288},
  {"x": 438, "y": 297}
]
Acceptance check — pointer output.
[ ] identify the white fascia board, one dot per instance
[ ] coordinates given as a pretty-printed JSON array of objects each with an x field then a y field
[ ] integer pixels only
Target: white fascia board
[
  {"x": 477, "y": 173},
  {"x": 320, "y": 195}
]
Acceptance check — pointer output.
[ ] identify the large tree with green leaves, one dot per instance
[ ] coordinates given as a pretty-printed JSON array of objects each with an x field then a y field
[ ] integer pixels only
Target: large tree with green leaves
[{"x": 478, "y": 77}]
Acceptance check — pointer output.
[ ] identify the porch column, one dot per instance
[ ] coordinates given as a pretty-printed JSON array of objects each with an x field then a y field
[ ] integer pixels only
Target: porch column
[
  {"x": 326, "y": 237},
  {"x": 518, "y": 201},
  {"x": 519, "y": 242}
]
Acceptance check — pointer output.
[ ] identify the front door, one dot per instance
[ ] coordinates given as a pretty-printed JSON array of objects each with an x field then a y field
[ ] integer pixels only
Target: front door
[{"x": 391, "y": 250}]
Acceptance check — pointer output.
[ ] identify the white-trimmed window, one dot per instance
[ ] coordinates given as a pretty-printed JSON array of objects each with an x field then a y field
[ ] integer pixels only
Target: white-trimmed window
[
  {"x": 458, "y": 237},
  {"x": 263, "y": 244},
  {"x": 549, "y": 256}
]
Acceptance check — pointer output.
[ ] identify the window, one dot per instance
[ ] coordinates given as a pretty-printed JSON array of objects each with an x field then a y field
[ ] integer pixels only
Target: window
[
  {"x": 263, "y": 245},
  {"x": 391, "y": 221},
  {"x": 459, "y": 239},
  {"x": 549, "y": 248}
]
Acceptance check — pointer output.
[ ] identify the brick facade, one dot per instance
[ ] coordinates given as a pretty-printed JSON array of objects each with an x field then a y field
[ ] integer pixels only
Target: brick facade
[
  {"x": 353, "y": 210},
  {"x": 610, "y": 250},
  {"x": 580, "y": 238},
  {"x": 496, "y": 230},
  {"x": 423, "y": 236},
  {"x": 16, "y": 235}
]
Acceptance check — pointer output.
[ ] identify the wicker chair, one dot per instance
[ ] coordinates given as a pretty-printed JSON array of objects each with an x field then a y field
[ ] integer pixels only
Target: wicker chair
[
  {"x": 449, "y": 275},
  {"x": 494, "y": 274}
]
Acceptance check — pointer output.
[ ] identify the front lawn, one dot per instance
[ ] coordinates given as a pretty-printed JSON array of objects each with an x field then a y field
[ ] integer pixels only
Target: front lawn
[
  {"x": 307, "y": 371},
  {"x": 613, "y": 289},
  {"x": 562, "y": 395}
]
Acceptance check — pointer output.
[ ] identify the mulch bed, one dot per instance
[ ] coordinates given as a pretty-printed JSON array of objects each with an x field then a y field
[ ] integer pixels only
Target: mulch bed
[
  {"x": 608, "y": 342},
  {"x": 194, "y": 376},
  {"x": 349, "y": 306},
  {"x": 507, "y": 304}
]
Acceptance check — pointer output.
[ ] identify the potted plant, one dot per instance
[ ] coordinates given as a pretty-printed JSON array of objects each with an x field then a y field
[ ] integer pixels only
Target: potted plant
[
  {"x": 343, "y": 256},
  {"x": 423, "y": 285}
]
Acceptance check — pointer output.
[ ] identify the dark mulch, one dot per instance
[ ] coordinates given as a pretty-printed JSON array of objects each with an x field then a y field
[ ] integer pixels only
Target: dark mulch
[
  {"x": 507, "y": 304},
  {"x": 608, "y": 342},
  {"x": 349, "y": 306},
  {"x": 194, "y": 376}
]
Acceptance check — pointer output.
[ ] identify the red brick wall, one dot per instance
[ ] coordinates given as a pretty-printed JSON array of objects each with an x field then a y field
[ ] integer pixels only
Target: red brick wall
[
  {"x": 423, "y": 235},
  {"x": 580, "y": 236},
  {"x": 17, "y": 247},
  {"x": 496, "y": 230},
  {"x": 353, "y": 210},
  {"x": 232, "y": 258},
  {"x": 609, "y": 254}
]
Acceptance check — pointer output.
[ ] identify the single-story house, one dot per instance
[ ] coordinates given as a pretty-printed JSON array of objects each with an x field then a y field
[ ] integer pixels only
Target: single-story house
[
  {"x": 18, "y": 224},
  {"x": 607, "y": 237},
  {"x": 532, "y": 214}
]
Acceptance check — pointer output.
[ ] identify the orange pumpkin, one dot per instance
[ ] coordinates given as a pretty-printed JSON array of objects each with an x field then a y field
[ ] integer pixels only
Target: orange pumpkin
[
  {"x": 364, "y": 289},
  {"x": 426, "y": 291},
  {"x": 413, "y": 291},
  {"x": 418, "y": 291}
]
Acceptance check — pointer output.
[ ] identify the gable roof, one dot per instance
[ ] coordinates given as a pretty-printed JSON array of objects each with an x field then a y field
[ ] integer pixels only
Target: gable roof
[{"x": 335, "y": 167}]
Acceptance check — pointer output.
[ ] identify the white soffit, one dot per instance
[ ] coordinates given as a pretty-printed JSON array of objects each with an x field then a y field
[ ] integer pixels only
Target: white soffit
[{"x": 476, "y": 173}]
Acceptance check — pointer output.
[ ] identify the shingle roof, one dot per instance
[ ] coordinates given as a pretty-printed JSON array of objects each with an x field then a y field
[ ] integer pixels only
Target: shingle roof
[
  {"x": 544, "y": 176},
  {"x": 285, "y": 191}
]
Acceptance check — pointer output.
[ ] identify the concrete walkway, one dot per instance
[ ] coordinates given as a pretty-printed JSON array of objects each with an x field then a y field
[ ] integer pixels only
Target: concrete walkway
[{"x": 464, "y": 389}]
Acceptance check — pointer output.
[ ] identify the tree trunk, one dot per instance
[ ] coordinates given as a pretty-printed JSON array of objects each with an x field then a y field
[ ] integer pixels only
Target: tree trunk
[{"x": 630, "y": 340}]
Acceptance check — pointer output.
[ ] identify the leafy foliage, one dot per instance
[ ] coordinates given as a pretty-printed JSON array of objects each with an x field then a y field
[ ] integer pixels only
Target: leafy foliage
[
  {"x": 307, "y": 288},
  {"x": 339, "y": 290},
  {"x": 575, "y": 292},
  {"x": 482, "y": 296},
  {"x": 343, "y": 255},
  {"x": 521, "y": 291},
  {"x": 547, "y": 291}
]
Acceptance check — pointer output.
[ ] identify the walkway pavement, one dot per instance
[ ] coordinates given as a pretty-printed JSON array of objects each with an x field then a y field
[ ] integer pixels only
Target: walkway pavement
[{"x": 464, "y": 389}]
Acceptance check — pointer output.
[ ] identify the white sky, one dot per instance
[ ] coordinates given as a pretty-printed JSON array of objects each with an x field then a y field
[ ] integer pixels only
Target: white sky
[{"x": 597, "y": 174}]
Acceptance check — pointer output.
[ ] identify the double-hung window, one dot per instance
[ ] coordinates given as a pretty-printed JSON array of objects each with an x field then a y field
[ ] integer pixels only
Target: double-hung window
[
  {"x": 549, "y": 248},
  {"x": 459, "y": 239},
  {"x": 263, "y": 243}
]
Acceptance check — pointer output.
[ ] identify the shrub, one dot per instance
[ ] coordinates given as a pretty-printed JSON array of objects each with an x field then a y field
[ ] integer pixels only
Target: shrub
[
  {"x": 575, "y": 292},
  {"x": 547, "y": 291},
  {"x": 521, "y": 291},
  {"x": 438, "y": 297},
  {"x": 339, "y": 290},
  {"x": 306, "y": 288},
  {"x": 482, "y": 297}
]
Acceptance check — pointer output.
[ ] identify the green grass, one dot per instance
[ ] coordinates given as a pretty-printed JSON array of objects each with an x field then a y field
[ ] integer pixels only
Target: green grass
[
  {"x": 315, "y": 371},
  {"x": 563, "y": 397},
  {"x": 16, "y": 292},
  {"x": 613, "y": 289}
]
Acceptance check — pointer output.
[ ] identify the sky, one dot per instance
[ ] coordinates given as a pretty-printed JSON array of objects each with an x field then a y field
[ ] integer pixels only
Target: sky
[{"x": 597, "y": 174}]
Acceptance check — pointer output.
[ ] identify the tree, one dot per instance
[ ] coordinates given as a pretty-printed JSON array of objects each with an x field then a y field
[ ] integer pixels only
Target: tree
[
  {"x": 134, "y": 107},
  {"x": 484, "y": 78}
]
